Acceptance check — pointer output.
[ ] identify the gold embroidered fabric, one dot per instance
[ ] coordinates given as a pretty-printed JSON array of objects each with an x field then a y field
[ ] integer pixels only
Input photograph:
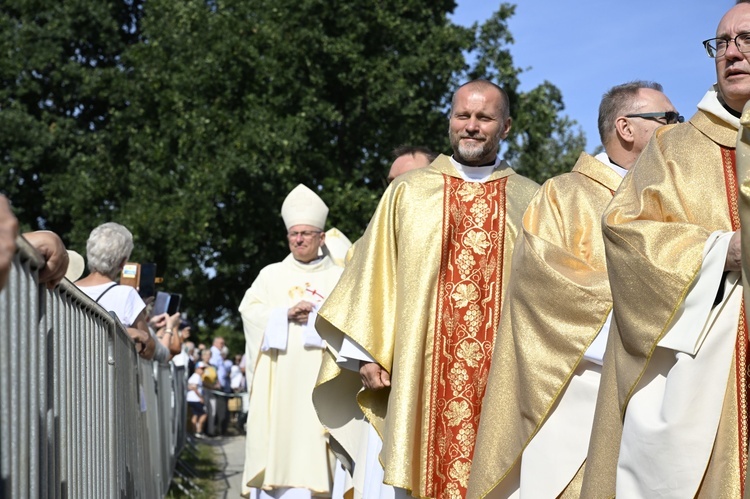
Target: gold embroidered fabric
[
  {"x": 655, "y": 230},
  {"x": 386, "y": 301},
  {"x": 557, "y": 301}
]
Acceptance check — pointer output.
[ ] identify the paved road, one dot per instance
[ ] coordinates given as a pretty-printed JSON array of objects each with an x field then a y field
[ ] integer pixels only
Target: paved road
[{"x": 230, "y": 453}]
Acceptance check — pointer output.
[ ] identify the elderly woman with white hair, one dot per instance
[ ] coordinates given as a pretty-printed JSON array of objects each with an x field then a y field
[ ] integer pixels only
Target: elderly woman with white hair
[{"x": 107, "y": 251}]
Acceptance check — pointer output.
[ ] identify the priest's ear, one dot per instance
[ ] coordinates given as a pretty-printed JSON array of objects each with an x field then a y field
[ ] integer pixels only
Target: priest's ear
[{"x": 625, "y": 131}]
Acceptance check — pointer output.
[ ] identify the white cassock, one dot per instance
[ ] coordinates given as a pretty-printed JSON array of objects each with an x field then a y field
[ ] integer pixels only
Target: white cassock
[
  {"x": 677, "y": 406},
  {"x": 287, "y": 452}
]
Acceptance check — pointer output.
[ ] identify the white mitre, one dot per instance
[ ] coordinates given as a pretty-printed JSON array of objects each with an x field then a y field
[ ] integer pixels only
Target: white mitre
[{"x": 303, "y": 207}]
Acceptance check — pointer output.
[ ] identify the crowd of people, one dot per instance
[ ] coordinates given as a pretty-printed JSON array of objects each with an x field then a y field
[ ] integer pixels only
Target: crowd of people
[
  {"x": 157, "y": 337},
  {"x": 488, "y": 336},
  {"x": 212, "y": 369},
  {"x": 492, "y": 337}
]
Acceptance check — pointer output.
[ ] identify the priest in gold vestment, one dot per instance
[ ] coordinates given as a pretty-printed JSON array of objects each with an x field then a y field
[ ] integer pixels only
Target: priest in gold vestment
[
  {"x": 287, "y": 454},
  {"x": 539, "y": 405},
  {"x": 671, "y": 417},
  {"x": 421, "y": 298}
]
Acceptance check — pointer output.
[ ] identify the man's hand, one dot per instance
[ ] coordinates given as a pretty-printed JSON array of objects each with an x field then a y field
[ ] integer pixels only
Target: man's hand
[
  {"x": 52, "y": 249},
  {"x": 300, "y": 312},
  {"x": 734, "y": 253},
  {"x": 8, "y": 233},
  {"x": 374, "y": 377}
]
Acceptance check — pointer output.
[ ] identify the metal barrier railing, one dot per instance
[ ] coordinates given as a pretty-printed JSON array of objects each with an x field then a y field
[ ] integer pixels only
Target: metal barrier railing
[{"x": 81, "y": 415}]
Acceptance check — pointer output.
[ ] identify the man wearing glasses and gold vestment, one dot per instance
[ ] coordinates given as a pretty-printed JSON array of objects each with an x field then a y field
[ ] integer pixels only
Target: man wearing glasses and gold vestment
[
  {"x": 539, "y": 406},
  {"x": 671, "y": 416}
]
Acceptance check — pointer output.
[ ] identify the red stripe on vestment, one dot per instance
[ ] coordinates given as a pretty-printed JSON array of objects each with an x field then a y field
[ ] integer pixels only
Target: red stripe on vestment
[
  {"x": 468, "y": 312},
  {"x": 728, "y": 158}
]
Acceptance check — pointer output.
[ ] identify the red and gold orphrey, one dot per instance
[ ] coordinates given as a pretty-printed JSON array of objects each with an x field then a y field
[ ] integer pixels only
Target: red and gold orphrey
[
  {"x": 468, "y": 313},
  {"x": 741, "y": 346}
]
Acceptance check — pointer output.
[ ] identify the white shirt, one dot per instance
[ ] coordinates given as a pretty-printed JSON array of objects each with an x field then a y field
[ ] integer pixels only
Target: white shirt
[
  {"x": 195, "y": 379},
  {"x": 124, "y": 301}
]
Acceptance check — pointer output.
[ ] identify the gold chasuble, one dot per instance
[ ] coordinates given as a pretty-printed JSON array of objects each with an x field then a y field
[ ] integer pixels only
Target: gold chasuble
[
  {"x": 557, "y": 300},
  {"x": 422, "y": 295},
  {"x": 679, "y": 197}
]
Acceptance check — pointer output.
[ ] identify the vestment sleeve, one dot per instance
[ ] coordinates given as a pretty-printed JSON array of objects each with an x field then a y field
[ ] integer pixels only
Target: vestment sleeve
[
  {"x": 255, "y": 310},
  {"x": 362, "y": 307},
  {"x": 654, "y": 248}
]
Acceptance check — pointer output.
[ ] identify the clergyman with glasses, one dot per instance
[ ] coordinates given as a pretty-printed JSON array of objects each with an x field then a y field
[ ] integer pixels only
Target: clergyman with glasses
[
  {"x": 557, "y": 314},
  {"x": 287, "y": 447},
  {"x": 671, "y": 417}
]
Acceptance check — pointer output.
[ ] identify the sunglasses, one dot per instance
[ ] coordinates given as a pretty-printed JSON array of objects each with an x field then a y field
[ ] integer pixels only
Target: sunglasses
[{"x": 671, "y": 117}]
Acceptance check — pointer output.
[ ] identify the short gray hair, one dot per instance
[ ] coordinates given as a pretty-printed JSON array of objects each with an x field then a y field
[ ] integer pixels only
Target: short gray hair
[
  {"x": 108, "y": 245},
  {"x": 618, "y": 101}
]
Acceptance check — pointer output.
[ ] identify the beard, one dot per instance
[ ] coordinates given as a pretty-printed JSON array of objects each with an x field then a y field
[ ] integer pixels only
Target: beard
[{"x": 474, "y": 153}]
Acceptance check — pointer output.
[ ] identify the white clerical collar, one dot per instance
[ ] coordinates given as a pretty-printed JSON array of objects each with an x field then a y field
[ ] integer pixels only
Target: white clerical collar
[
  {"x": 307, "y": 266},
  {"x": 710, "y": 103},
  {"x": 603, "y": 158},
  {"x": 475, "y": 173}
]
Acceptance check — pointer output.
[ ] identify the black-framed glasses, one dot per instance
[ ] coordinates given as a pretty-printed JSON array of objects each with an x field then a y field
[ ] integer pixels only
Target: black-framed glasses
[
  {"x": 717, "y": 47},
  {"x": 670, "y": 117}
]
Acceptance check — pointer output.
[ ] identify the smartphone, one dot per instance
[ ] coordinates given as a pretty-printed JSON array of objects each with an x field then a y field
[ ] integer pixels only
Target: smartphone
[
  {"x": 147, "y": 281},
  {"x": 174, "y": 303},
  {"x": 161, "y": 303}
]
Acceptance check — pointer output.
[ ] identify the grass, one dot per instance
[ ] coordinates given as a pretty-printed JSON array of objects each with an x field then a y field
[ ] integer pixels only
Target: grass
[{"x": 199, "y": 463}]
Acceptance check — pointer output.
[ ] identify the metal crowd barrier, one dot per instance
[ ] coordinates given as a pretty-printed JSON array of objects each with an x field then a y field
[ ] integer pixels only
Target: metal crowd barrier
[{"x": 81, "y": 415}]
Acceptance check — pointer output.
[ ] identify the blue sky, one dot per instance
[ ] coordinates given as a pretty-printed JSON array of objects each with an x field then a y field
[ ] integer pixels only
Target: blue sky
[{"x": 584, "y": 47}]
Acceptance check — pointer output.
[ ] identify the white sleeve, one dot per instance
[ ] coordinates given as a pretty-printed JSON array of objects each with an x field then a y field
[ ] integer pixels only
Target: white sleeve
[
  {"x": 134, "y": 305},
  {"x": 688, "y": 330},
  {"x": 310, "y": 336},
  {"x": 351, "y": 353},
  {"x": 595, "y": 352},
  {"x": 276, "y": 333}
]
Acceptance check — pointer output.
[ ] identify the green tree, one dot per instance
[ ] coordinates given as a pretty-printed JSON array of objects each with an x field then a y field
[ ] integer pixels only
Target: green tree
[
  {"x": 190, "y": 121},
  {"x": 59, "y": 66},
  {"x": 543, "y": 142}
]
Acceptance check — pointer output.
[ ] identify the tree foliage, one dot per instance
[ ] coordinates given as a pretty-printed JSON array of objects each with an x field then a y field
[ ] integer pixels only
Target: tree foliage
[{"x": 190, "y": 121}]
